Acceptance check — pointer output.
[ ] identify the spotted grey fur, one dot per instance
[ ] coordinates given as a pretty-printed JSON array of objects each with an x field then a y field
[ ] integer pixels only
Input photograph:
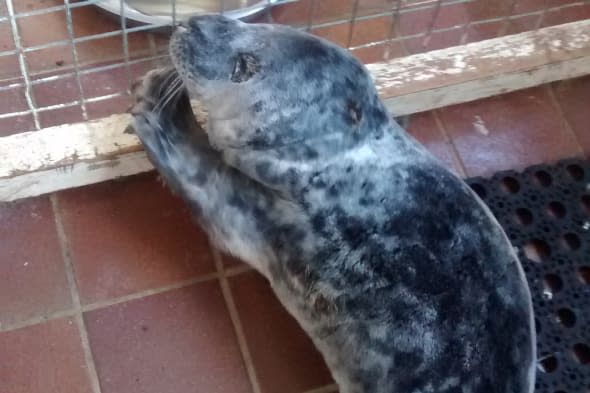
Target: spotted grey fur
[{"x": 396, "y": 270}]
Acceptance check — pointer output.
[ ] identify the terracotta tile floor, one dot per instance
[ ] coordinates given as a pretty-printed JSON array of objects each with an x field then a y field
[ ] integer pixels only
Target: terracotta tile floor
[{"x": 110, "y": 288}]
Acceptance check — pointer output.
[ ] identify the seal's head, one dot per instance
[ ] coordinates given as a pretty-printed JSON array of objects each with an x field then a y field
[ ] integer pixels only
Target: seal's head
[{"x": 267, "y": 86}]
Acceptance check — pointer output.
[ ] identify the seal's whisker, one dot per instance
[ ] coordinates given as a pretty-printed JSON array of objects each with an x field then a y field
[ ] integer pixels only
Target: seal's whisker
[
  {"x": 169, "y": 80},
  {"x": 171, "y": 85},
  {"x": 166, "y": 83},
  {"x": 172, "y": 75},
  {"x": 174, "y": 93},
  {"x": 171, "y": 91}
]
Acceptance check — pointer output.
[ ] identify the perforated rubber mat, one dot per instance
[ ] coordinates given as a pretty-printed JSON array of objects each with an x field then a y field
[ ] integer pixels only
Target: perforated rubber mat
[{"x": 545, "y": 210}]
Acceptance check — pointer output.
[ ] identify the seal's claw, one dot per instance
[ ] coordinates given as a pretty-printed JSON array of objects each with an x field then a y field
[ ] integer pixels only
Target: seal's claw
[{"x": 152, "y": 89}]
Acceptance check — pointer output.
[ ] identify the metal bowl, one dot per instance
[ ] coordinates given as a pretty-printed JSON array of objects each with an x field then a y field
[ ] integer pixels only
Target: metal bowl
[{"x": 162, "y": 11}]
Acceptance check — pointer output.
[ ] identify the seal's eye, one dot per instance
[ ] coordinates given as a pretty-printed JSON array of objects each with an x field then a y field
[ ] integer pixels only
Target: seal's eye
[
  {"x": 245, "y": 67},
  {"x": 354, "y": 112}
]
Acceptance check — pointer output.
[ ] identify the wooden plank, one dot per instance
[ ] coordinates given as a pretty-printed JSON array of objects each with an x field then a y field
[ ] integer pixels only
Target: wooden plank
[
  {"x": 73, "y": 155},
  {"x": 66, "y": 145},
  {"x": 479, "y": 60},
  {"x": 476, "y": 89},
  {"x": 81, "y": 173}
]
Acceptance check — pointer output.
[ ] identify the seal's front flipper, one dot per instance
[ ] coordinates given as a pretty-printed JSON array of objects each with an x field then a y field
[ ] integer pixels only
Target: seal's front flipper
[
  {"x": 162, "y": 93},
  {"x": 164, "y": 122},
  {"x": 225, "y": 201}
]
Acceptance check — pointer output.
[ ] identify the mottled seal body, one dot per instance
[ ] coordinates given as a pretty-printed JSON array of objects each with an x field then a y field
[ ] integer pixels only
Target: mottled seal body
[{"x": 393, "y": 266}]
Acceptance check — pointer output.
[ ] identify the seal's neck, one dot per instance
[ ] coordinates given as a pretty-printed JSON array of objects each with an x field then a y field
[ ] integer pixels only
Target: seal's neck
[{"x": 285, "y": 168}]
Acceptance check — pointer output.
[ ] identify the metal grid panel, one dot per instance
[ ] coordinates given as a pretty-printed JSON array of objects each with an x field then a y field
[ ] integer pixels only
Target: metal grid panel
[{"x": 87, "y": 60}]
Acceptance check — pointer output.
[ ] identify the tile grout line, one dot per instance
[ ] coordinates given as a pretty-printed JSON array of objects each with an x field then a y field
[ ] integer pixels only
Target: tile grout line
[
  {"x": 37, "y": 320},
  {"x": 149, "y": 292},
  {"x": 235, "y": 271},
  {"x": 566, "y": 123},
  {"x": 85, "y": 342},
  {"x": 231, "y": 272},
  {"x": 460, "y": 166},
  {"x": 236, "y": 322},
  {"x": 333, "y": 388},
  {"x": 114, "y": 301}
]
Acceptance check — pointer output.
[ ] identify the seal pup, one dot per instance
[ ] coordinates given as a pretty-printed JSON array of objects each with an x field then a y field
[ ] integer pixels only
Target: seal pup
[{"x": 397, "y": 271}]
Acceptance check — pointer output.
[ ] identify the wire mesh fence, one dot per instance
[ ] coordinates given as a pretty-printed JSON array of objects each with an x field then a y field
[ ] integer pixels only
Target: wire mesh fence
[{"x": 63, "y": 61}]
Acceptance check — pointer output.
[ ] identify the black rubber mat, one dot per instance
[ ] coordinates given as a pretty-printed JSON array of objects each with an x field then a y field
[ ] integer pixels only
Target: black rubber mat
[{"x": 545, "y": 211}]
